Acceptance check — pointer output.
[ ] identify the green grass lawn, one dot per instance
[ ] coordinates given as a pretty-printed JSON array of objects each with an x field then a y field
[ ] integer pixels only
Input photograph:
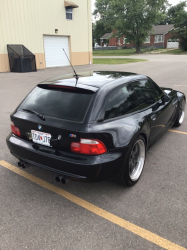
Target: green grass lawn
[
  {"x": 130, "y": 52},
  {"x": 176, "y": 52},
  {"x": 114, "y": 52},
  {"x": 116, "y": 61}
]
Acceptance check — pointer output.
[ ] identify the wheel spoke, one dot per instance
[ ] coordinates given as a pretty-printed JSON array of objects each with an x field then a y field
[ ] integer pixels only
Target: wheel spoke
[
  {"x": 181, "y": 112},
  {"x": 131, "y": 166},
  {"x": 183, "y": 105},
  {"x": 136, "y": 161},
  {"x": 136, "y": 151}
]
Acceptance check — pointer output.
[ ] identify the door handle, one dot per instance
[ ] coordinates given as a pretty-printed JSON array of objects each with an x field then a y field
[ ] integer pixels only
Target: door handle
[{"x": 153, "y": 117}]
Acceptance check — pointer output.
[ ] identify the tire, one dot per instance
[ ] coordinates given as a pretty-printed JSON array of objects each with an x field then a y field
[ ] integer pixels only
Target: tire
[
  {"x": 180, "y": 115},
  {"x": 132, "y": 167}
]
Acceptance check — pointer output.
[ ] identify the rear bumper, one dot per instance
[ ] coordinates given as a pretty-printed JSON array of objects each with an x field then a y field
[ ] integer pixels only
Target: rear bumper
[{"x": 82, "y": 167}]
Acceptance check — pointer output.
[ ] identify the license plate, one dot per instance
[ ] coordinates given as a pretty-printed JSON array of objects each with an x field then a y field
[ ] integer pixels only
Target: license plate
[{"x": 41, "y": 138}]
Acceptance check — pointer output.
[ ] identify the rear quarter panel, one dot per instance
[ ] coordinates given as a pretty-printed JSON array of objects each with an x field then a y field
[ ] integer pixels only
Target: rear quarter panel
[{"x": 119, "y": 131}]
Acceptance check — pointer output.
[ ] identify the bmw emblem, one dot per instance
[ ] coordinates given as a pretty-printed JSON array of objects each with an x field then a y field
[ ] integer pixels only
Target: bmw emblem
[{"x": 40, "y": 127}]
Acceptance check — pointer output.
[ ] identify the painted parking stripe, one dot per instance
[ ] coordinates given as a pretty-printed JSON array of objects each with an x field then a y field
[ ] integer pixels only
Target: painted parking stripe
[
  {"x": 145, "y": 234},
  {"x": 180, "y": 85},
  {"x": 179, "y": 132}
]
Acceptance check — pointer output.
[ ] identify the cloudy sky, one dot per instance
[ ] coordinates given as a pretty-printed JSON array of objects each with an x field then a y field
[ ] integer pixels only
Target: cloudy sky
[{"x": 173, "y": 2}]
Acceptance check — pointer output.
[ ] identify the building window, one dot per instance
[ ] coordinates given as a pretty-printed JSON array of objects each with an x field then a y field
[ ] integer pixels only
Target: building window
[
  {"x": 147, "y": 39},
  {"x": 173, "y": 40},
  {"x": 69, "y": 13},
  {"x": 125, "y": 40},
  {"x": 159, "y": 38}
]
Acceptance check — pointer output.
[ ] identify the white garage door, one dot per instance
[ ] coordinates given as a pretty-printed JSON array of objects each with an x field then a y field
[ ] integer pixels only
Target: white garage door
[
  {"x": 54, "y": 54},
  {"x": 172, "y": 43}
]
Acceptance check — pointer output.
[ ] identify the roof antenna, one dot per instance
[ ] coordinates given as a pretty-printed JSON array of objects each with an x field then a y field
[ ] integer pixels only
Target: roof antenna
[{"x": 76, "y": 76}]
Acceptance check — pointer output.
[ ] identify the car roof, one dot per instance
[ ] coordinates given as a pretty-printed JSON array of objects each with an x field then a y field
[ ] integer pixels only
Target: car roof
[{"x": 94, "y": 80}]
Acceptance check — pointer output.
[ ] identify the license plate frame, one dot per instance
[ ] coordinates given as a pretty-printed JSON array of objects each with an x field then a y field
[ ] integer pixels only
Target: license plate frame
[{"x": 41, "y": 138}]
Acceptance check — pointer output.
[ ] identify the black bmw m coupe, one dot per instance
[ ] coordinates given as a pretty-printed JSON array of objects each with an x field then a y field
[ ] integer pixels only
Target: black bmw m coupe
[{"x": 95, "y": 126}]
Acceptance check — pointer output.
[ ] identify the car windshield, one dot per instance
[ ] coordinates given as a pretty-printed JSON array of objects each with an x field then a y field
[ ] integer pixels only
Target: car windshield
[{"x": 62, "y": 104}]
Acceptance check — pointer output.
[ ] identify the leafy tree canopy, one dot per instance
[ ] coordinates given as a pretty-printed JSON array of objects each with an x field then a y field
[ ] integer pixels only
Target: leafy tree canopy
[
  {"x": 169, "y": 13},
  {"x": 134, "y": 18},
  {"x": 99, "y": 29},
  {"x": 179, "y": 19}
]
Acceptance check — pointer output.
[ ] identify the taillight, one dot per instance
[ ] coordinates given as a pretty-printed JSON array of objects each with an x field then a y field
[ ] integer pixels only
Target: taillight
[
  {"x": 15, "y": 130},
  {"x": 88, "y": 147}
]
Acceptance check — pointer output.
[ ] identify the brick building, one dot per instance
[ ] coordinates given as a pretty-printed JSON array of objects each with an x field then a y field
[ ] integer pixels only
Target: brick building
[{"x": 159, "y": 37}]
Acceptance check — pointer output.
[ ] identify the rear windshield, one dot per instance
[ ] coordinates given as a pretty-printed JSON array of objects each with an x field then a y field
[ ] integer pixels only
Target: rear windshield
[{"x": 64, "y": 104}]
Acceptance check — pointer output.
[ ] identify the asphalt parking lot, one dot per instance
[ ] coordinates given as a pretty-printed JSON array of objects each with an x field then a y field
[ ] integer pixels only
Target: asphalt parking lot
[{"x": 36, "y": 213}]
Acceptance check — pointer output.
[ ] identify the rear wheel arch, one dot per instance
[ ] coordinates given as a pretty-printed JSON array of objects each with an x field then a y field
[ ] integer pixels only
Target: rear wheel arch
[
  {"x": 184, "y": 97},
  {"x": 139, "y": 134},
  {"x": 145, "y": 138}
]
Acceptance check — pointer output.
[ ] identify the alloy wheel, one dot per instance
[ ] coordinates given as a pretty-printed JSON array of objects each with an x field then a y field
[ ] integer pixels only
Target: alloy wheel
[
  {"x": 182, "y": 111},
  {"x": 137, "y": 159}
]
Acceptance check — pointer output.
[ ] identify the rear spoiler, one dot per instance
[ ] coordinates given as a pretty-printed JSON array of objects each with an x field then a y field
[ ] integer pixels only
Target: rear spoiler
[{"x": 69, "y": 87}]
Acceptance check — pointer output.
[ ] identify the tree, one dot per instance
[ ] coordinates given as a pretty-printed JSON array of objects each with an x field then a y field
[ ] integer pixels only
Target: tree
[
  {"x": 132, "y": 18},
  {"x": 166, "y": 19},
  {"x": 99, "y": 29},
  {"x": 93, "y": 29},
  {"x": 179, "y": 18},
  {"x": 170, "y": 13}
]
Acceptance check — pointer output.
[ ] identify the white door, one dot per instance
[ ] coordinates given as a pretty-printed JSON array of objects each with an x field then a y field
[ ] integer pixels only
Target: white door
[
  {"x": 173, "y": 43},
  {"x": 54, "y": 54}
]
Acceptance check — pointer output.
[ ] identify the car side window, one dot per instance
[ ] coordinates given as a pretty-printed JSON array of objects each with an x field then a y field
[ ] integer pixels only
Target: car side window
[
  {"x": 121, "y": 101},
  {"x": 158, "y": 90},
  {"x": 144, "y": 90}
]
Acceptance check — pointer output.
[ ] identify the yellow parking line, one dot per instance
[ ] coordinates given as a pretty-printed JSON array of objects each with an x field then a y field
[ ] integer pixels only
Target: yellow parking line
[
  {"x": 179, "y": 132},
  {"x": 180, "y": 85},
  {"x": 166, "y": 244}
]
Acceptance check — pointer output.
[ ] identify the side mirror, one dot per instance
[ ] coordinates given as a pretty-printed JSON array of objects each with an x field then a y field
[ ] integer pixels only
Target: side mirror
[
  {"x": 150, "y": 101},
  {"x": 165, "y": 98}
]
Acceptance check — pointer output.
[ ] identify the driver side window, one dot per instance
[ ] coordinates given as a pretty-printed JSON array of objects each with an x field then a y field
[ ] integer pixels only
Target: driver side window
[
  {"x": 158, "y": 90},
  {"x": 144, "y": 90},
  {"x": 121, "y": 101}
]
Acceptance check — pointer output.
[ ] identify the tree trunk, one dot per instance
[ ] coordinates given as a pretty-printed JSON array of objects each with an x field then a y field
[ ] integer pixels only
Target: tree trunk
[{"x": 138, "y": 48}]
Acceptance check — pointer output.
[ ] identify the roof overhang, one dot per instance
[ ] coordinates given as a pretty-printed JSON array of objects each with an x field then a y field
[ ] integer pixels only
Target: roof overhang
[
  {"x": 70, "y": 4},
  {"x": 107, "y": 35},
  {"x": 168, "y": 31}
]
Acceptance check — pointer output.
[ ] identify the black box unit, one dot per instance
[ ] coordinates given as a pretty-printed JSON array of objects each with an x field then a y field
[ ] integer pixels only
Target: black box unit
[{"x": 21, "y": 59}]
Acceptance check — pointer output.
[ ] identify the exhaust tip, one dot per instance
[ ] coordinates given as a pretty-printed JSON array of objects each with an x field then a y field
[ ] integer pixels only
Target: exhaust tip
[
  {"x": 23, "y": 165},
  {"x": 63, "y": 181},
  {"x": 58, "y": 179},
  {"x": 19, "y": 164}
]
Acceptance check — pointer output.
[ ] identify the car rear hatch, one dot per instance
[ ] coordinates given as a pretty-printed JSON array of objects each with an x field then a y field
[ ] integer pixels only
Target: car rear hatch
[{"x": 59, "y": 112}]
